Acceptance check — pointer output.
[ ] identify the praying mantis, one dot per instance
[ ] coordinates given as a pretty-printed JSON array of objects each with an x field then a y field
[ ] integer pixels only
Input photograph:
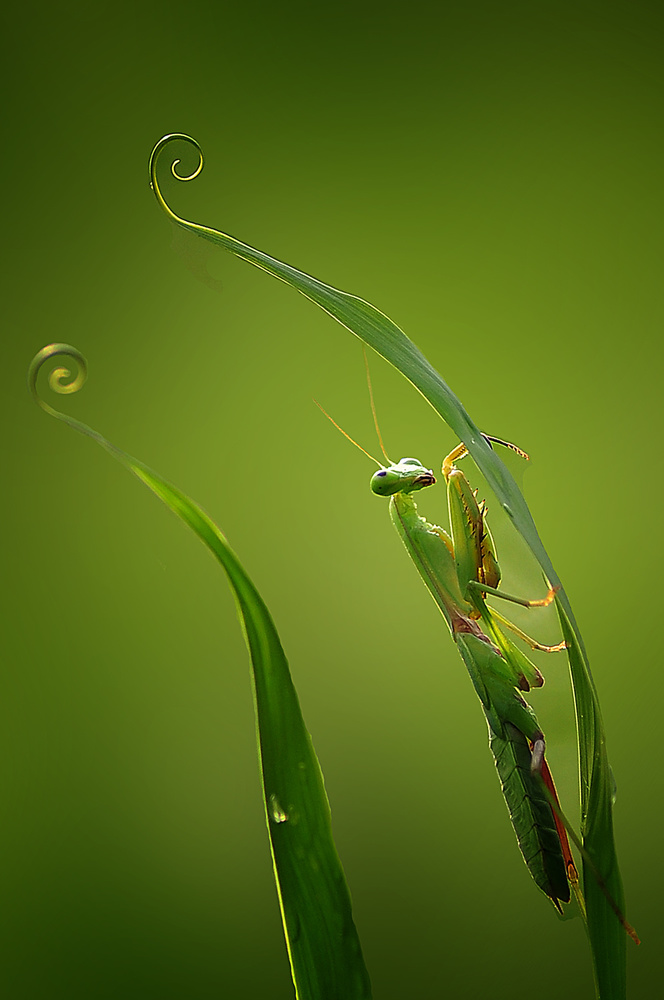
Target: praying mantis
[{"x": 460, "y": 569}]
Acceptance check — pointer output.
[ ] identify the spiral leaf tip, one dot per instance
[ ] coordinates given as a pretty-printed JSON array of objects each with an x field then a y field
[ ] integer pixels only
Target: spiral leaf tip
[
  {"x": 154, "y": 160},
  {"x": 60, "y": 379}
]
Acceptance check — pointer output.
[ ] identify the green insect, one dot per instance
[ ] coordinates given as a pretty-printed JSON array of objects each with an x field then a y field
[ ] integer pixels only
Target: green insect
[{"x": 459, "y": 569}]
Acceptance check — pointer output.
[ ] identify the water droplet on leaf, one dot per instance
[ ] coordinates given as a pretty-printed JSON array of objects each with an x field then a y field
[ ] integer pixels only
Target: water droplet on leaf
[{"x": 277, "y": 814}]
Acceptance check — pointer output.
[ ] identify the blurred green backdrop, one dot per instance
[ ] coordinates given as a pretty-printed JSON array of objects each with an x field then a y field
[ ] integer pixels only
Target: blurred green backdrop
[{"x": 490, "y": 176}]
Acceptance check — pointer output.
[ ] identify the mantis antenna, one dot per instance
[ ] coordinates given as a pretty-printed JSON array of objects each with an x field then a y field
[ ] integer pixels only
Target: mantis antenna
[
  {"x": 342, "y": 431},
  {"x": 373, "y": 405},
  {"x": 375, "y": 418}
]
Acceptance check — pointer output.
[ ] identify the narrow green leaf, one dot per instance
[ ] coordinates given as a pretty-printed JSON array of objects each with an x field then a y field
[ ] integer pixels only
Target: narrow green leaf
[
  {"x": 323, "y": 946},
  {"x": 380, "y": 333}
]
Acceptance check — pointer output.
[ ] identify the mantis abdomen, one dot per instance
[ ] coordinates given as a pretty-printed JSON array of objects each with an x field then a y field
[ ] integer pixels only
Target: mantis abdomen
[{"x": 530, "y": 813}]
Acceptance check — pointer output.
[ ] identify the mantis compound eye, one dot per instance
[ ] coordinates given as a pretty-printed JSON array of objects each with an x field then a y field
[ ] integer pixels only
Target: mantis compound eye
[{"x": 385, "y": 482}]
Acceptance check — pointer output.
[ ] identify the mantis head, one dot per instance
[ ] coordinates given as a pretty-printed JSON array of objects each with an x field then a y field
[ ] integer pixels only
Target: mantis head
[{"x": 406, "y": 476}]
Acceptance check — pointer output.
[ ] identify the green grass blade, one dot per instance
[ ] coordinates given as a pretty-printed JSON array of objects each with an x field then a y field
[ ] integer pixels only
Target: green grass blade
[
  {"x": 607, "y": 936},
  {"x": 323, "y": 946},
  {"x": 380, "y": 333}
]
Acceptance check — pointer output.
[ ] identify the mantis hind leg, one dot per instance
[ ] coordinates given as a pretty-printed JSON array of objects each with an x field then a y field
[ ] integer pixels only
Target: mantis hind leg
[
  {"x": 541, "y": 602},
  {"x": 525, "y": 637}
]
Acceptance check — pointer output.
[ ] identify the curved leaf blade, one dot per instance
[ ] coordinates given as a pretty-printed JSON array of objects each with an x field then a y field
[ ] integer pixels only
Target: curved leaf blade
[
  {"x": 375, "y": 329},
  {"x": 323, "y": 945}
]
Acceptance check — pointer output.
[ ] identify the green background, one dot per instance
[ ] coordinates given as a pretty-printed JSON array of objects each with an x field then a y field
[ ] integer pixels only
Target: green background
[{"x": 490, "y": 176}]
